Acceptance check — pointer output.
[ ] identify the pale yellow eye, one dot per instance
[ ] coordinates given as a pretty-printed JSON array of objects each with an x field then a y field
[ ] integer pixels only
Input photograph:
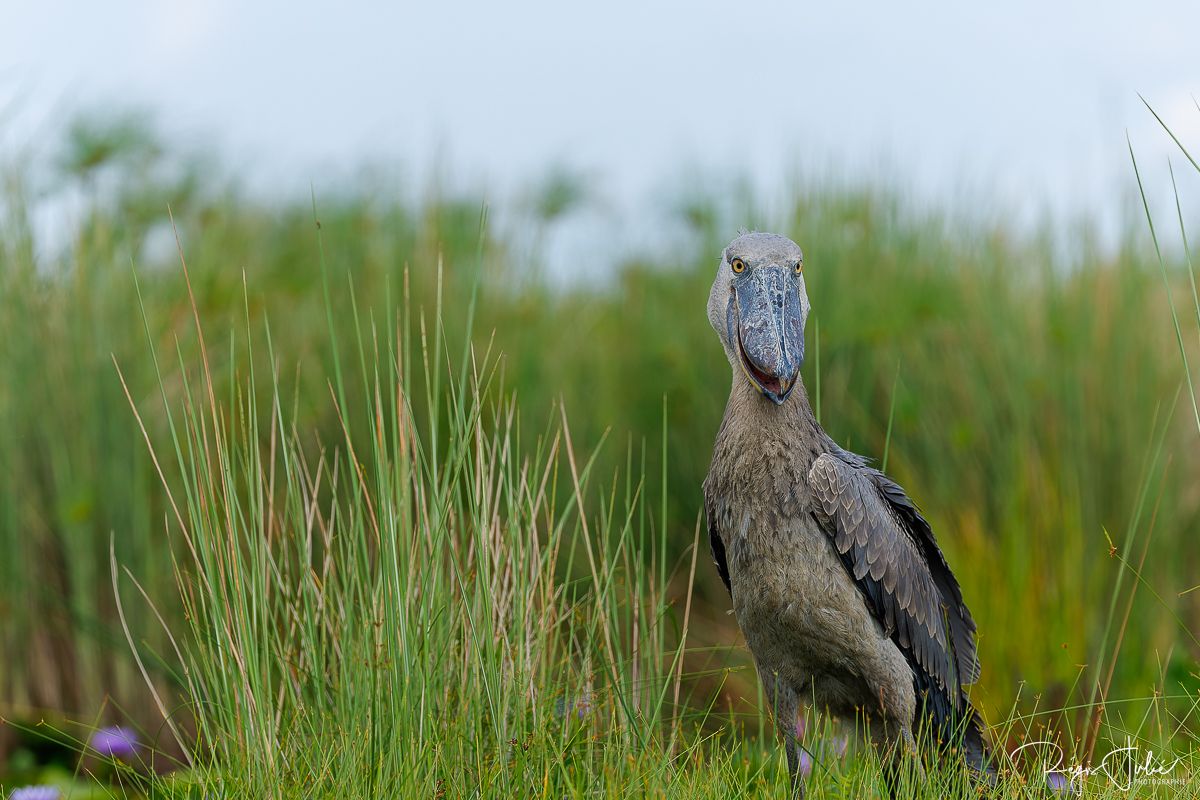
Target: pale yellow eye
[
  {"x": 799, "y": 267},
  {"x": 738, "y": 266}
]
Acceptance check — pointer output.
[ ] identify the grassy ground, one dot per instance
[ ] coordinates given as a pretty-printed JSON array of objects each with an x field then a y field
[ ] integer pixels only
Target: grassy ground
[{"x": 349, "y": 565}]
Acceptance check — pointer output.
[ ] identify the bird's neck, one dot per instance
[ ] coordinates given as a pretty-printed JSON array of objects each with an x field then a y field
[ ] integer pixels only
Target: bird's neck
[{"x": 792, "y": 421}]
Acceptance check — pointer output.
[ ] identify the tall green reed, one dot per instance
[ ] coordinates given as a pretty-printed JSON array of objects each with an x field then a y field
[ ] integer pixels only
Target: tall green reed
[
  {"x": 410, "y": 607},
  {"x": 1022, "y": 420}
]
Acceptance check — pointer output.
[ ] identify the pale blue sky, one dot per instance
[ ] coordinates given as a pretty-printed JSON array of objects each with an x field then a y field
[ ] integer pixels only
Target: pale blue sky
[{"x": 1025, "y": 101}]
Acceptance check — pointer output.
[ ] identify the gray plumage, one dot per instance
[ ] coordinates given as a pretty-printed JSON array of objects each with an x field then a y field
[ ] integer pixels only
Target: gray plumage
[{"x": 836, "y": 579}]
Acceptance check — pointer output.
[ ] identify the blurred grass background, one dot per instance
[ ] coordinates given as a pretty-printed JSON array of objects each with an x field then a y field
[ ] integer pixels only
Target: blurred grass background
[{"x": 1028, "y": 380}]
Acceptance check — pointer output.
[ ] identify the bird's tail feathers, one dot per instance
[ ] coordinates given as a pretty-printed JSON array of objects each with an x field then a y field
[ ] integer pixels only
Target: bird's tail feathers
[
  {"x": 959, "y": 732},
  {"x": 975, "y": 749}
]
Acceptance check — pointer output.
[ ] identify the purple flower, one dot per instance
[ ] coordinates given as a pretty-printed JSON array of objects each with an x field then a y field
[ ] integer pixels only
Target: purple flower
[
  {"x": 581, "y": 706},
  {"x": 834, "y": 748},
  {"x": 35, "y": 793},
  {"x": 116, "y": 742},
  {"x": 1060, "y": 784}
]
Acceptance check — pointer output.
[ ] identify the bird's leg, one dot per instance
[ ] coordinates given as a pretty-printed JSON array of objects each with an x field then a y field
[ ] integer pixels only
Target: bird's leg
[
  {"x": 794, "y": 750},
  {"x": 785, "y": 708},
  {"x": 897, "y": 749}
]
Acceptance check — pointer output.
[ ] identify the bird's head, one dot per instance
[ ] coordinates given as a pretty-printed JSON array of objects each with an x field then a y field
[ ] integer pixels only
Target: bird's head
[{"x": 758, "y": 307}]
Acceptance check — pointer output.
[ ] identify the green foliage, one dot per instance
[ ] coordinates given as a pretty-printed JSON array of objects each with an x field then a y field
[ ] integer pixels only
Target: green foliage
[{"x": 390, "y": 575}]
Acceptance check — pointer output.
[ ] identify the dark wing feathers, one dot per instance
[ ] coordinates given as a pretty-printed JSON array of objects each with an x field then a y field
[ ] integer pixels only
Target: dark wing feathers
[
  {"x": 961, "y": 624},
  {"x": 891, "y": 552},
  {"x": 717, "y": 547}
]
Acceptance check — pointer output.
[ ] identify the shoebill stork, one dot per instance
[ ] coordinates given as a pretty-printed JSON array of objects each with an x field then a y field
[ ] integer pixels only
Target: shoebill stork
[{"x": 836, "y": 579}]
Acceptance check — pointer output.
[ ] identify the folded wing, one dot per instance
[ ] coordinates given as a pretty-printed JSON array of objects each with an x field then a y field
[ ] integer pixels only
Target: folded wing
[{"x": 893, "y": 557}]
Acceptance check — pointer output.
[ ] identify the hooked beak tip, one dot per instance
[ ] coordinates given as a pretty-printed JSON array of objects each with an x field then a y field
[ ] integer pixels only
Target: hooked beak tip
[{"x": 779, "y": 397}]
